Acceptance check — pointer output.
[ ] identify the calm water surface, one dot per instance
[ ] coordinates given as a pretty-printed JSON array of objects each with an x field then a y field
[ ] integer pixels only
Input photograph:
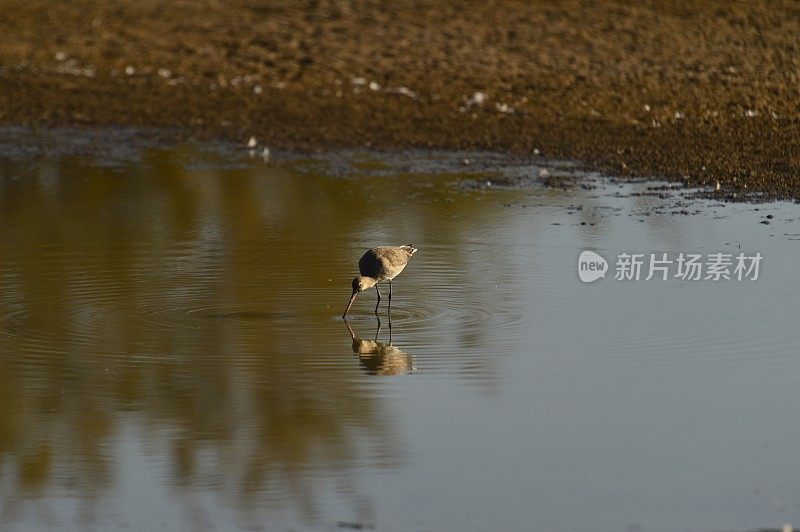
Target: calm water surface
[{"x": 172, "y": 357}]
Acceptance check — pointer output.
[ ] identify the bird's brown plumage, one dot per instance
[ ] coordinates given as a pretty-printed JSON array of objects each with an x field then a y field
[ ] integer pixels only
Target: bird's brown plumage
[
  {"x": 378, "y": 265},
  {"x": 385, "y": 262}
]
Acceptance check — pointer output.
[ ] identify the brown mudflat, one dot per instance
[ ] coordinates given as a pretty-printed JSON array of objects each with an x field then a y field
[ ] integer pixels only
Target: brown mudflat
[{"x": 703, "y": 92}]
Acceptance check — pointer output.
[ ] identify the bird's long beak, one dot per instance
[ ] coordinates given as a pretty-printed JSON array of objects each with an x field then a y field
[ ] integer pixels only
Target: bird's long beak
[
  {"x": 350, "y": 304},
  {"x": 350, "y": 330}
]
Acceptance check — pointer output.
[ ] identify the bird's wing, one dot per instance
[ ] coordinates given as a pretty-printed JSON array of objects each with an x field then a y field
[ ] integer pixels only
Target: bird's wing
[
  {"x": 396, "y": 256},
  {"x": 383, "y": 261}
]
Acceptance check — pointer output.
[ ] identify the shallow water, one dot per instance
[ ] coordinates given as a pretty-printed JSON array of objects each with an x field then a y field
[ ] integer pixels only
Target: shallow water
[{"x": 172, "y": 357}]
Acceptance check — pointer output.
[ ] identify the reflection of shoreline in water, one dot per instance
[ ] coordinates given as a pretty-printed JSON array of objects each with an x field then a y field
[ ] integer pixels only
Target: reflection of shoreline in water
[
  {"x": 379, "y": 358},
  {"x": 130, "y": 324},
  {"x": 149, "y": 317}
]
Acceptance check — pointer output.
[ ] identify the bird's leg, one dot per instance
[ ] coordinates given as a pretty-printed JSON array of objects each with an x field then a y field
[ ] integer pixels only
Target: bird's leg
[
  {"x": 390, "y": 329},
  {"x": 379, "y": 299},
  {"x": 378, "y": 330},
  {"x": 390, "y": 295}
]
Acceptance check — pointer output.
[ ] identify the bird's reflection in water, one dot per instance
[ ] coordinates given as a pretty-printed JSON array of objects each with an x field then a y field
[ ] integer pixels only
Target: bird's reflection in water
[{"x": 380, "y": 358}]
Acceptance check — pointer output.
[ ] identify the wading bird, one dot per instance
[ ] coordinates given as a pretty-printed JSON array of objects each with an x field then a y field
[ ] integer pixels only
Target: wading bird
[{"x": 379, "y": 265}]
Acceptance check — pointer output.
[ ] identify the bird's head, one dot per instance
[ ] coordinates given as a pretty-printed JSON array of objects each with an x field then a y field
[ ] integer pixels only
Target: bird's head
[{"x": 361, "y": 283}]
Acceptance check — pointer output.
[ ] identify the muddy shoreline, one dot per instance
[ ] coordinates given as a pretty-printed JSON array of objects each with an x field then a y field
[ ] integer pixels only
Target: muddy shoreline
[{"x": 702, "y": 94}]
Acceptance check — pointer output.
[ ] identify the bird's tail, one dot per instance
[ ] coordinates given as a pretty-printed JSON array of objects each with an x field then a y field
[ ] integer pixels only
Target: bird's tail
[{"x": 411, "y": 249}]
